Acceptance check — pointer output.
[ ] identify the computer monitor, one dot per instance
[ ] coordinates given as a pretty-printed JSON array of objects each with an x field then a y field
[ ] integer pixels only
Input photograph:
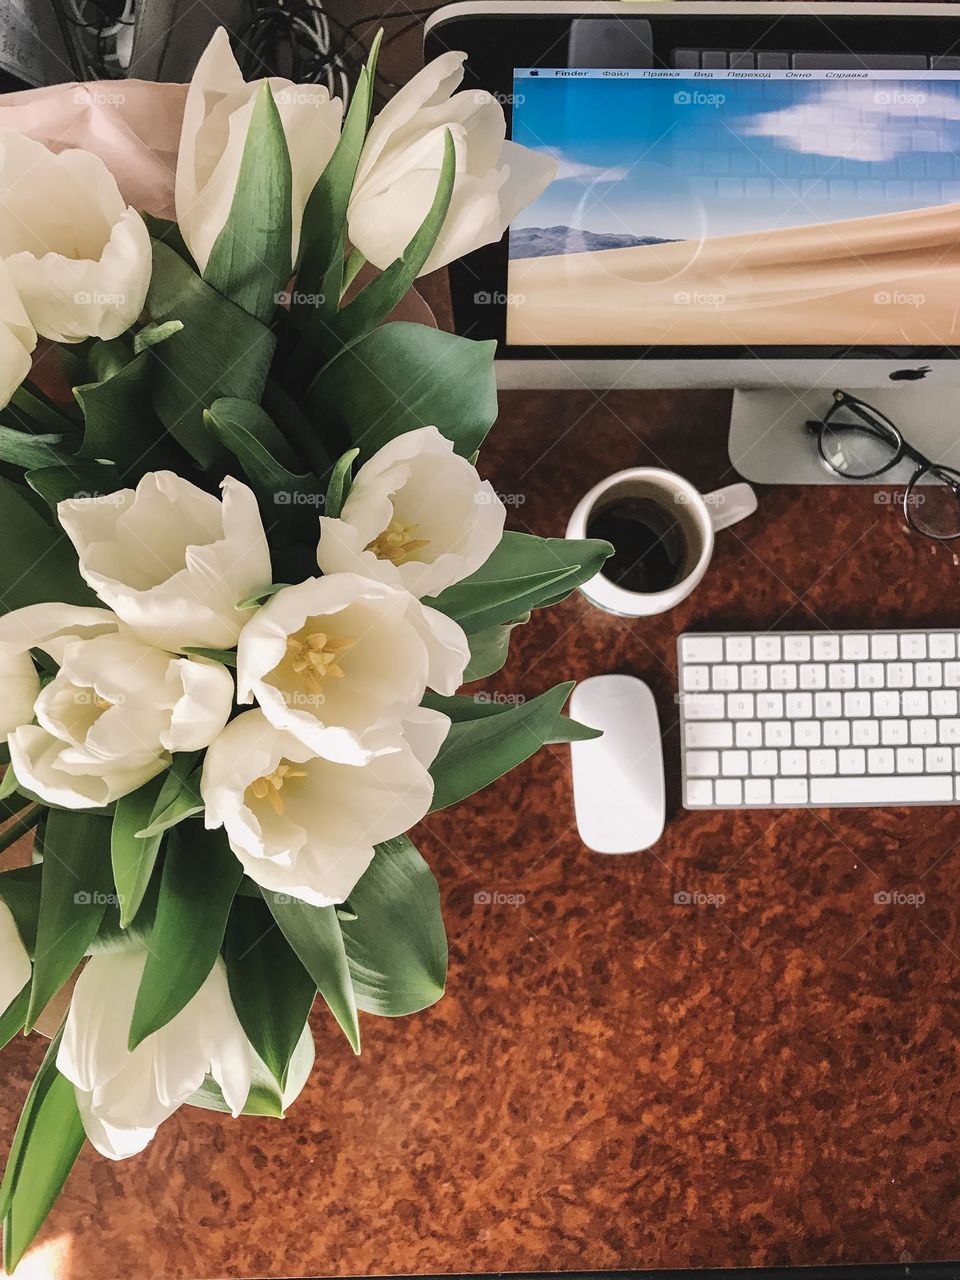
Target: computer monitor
[{"x": 747, "y": 194}]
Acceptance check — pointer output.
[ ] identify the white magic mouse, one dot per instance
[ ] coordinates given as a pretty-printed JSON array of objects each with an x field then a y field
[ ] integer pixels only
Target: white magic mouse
[{"x": 618, "y": 791}]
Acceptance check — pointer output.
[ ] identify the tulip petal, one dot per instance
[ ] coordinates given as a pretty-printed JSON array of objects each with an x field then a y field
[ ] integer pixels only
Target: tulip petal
[{"x": 15, "y": 969}]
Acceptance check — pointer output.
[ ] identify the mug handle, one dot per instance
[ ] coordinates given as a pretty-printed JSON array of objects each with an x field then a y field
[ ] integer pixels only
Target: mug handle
[{"x": 729, "y": 505}]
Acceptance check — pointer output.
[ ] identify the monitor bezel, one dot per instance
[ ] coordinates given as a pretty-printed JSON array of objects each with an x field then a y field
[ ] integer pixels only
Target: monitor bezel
[{"x": 499, "y": 38}]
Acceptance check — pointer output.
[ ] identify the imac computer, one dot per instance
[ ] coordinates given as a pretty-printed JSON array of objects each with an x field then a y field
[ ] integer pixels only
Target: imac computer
[{"x": 747, "y": 195}]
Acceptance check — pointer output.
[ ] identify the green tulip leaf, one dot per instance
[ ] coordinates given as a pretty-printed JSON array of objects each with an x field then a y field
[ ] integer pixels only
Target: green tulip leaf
[
  {"x": 132, "y": 854},
  {"x": 396, "y": 947},
  {"x": 38, "y": 561},
  {"x": 477, "y": 752}
]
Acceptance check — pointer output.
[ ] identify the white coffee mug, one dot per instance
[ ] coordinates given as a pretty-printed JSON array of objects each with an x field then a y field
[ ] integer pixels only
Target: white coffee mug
[{"x": 700, "y": 516}]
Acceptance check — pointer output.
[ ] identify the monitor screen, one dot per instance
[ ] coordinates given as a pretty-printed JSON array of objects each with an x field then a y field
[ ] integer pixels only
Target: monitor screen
[{"x": 746, "y": 208}]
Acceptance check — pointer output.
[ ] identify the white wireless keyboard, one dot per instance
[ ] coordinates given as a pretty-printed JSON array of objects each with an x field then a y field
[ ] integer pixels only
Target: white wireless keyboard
[{"x": 806, "y": 719}]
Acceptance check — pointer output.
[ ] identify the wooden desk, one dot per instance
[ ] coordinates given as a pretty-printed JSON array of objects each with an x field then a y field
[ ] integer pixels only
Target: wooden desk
[{"x": 613, "y": 1080}]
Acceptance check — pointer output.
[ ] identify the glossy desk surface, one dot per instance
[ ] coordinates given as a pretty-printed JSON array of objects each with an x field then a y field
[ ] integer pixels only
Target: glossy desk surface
[{"x": 613, "y": 1080}]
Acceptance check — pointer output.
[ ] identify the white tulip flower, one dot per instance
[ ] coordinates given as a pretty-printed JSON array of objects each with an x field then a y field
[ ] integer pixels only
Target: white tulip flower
[
  {"x": 17, "y": 337},
  {"x": 417, "y": 516},
  {"x": 340, "y": 661},
  {"x": 111, "y": 717},
  {"x": 15, "y": 968},
  {"x": 399, "y": 168},
  {"x": 125, "y": 1096},
  {"x": 172, "y": 560},
  {"x": 39, "y": 626},
  {"x": 300, "y": 824},
  {"x": 216, "y": 119},
  {"x": 79, "y": 255}
]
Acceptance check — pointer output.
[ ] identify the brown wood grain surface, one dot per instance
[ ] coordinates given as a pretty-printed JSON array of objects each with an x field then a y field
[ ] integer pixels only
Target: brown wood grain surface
[{"x": 614, "y": 1080}]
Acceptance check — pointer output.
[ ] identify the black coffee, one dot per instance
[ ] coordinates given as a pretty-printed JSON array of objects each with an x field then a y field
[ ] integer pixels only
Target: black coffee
[{"x": 649, "y": 544}]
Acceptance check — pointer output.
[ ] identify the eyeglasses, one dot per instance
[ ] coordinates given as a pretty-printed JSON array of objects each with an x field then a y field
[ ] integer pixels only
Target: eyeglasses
[{"x": 857, "y": 442}]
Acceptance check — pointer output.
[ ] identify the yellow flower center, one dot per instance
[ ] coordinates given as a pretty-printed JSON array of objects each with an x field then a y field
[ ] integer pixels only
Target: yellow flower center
[
  {"x": 315, "y": 656},
  {"x": 270, "y": 786},
  {"x": 396, "y": 544}
]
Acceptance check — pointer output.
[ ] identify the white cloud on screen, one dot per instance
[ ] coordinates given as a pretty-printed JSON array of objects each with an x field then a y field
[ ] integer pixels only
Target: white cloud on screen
[
  {"x": 568, "y": 168},
  {"x": 882, "y": 121}
]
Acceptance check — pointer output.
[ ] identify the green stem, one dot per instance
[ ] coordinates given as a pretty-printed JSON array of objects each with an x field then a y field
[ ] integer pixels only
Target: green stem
[
  {"x": 354, "y": 264},
  {"x": 26, "y": 822}
]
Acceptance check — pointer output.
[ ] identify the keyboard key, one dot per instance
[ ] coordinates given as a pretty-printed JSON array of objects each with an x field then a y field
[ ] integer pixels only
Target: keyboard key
[
  {"x": 909, "y": 760},
  {"x": 699, "y": 791},
  {"x": 754, "y": 677},
  {"x": 855, "y": 648},
  {"x": 796, "y": 648},
  {"x": 942, "y": 645},
  {"x": 865, "y": 733},
  {"x": 913, "y": 646},
  {"x": 813, "y": 675},
  {"x": 826, "y": 648},
  {"x": 748, "y": 733},
  {"x": 929, "y": 675},
  {"x": 725, "y": 677},
  {"x": 729, "y": 791},
  {"x": 938, "y": 760},
  {"x": 880, "y": 760},
  {"x": 949, "y": 731},
  {"x": 884, "y": 647},
  {"x": 827, "y": 705},
  {"x": 951, "y": 675},
  {"x": 710, "y": 734},
  {"x": 823, "y": 762},
  {"x": 869, "y": 675},
  {"x": 793, "y": 763},
  {"x": 922, "y": 732},
  {"x": 856, "y": 704},
  {"x": 900, "y": 675},
  {"x": 784, "y": 676},
  {"x": 836, "y": 733},
  {"x": 881, "y": 791},
  {"x": 696, "y": 677},
  {"x": 740, "y": 706},
  {"x": 915, "y": 702},
  {"x": 739, "y": 649},
  {"x": 757, "y": 791},
  {"x": 842, "y": 675},
  {"x": 703, "y": 706},
  {"x": 703, "y": 764},
  {"x": 767, "y": 648},
  {"x": 886, "y": 703},
  {"x": 806, "y": 733},
  {"x": 702, "y": 648},
  {"x": 735, "y": 764},
  {"x": 943, "y": 702},
  {"x": 790, "y": 791},
  {"x": 893, "y": 733},
  {"x": 852, "y": 761},
  {"x": 770, "y": 706},
  {"x": 764, "y": 764},
  {"x": 799, "y": 706},
  {"x": 777, "y": 733}
]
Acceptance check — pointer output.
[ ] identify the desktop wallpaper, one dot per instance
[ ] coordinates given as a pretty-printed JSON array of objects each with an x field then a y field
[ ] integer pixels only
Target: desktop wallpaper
[{"x": 739, "y": 211}]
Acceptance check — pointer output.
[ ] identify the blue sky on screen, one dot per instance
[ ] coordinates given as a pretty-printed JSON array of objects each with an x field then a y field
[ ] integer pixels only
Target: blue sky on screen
[{"x": 686, "y": 159}]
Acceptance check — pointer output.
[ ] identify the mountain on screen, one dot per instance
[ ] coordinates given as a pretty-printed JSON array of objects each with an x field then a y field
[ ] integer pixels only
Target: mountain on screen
[{"x": 545, "y": 242}]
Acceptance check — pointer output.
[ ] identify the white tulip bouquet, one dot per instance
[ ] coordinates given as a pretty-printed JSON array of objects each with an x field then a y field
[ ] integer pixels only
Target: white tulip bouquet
[{"x": 245, "y": 571}]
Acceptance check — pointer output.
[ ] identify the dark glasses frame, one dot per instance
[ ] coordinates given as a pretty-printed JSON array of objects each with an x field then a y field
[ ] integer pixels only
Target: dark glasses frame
[{"x": 871, "y": 419}]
